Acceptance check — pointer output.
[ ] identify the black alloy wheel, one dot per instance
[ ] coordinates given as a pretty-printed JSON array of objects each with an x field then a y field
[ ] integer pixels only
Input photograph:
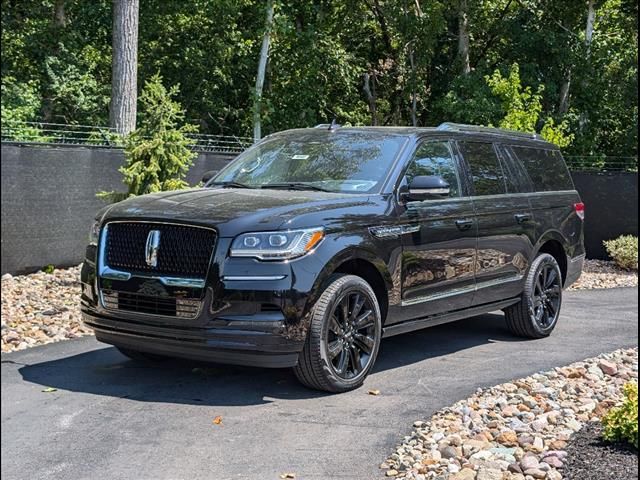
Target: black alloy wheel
[
  {"x": 351, "y": 336},
  {"x": 537, "y": 312},
  {"x": 546, "y": 296},
  {"x": 344, "y": 336}
]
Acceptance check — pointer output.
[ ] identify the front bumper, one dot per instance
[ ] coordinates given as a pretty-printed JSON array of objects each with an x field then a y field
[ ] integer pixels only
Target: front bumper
[{"x": 258, "y": 342}]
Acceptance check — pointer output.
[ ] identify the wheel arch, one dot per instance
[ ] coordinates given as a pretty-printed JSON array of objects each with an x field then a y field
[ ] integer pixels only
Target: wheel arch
[
  {"x": 366, "y": 265},
  {"x": 553, "y": 243}
]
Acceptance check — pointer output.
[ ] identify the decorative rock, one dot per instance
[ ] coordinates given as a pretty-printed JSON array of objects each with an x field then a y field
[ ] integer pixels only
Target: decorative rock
[
  {"x": 529, "y": 462},
  {"x": 464, "y": 474},
  {"x": 448, "y": 452},
  {"x": 516, "y": 431},
  {"x": 538, "y": 445},
  {"x": 554, "y": 475},
  {"x": 535, "y": 473},
  {"x": 554, "y": 462},
  {"x": 489, "y": 474},
  {"x": 508, "y": 438},
  {"x": 608, "y": 367}
]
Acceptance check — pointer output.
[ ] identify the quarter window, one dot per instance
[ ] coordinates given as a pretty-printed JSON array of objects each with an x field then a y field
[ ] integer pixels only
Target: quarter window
[
  {"x": 434, "y": 158},
  {"x": 546, "y": 168},
  {"x": 488, "y": 177}
]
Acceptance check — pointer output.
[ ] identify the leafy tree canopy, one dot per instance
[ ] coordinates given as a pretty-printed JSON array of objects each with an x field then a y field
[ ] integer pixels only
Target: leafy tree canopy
[{"x": 360, "y": 61}]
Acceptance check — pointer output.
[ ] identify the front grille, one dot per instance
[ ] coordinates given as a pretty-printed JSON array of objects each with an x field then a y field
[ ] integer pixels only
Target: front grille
[
  {"x": 149, "y": 304},
  {"x": 184, "y": 251}
]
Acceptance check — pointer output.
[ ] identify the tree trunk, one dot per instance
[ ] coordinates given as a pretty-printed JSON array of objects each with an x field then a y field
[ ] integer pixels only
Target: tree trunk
[
  {"x": 588, "y": 39},
  {"x": 124, "y": 66},
  {"x": 370, "y": 94},
  {"x": 564, "y": 95},
  {"x": 262, "y": 66},
  {"x": 414, "y": 96},
  {"x": 59, "y": 15},
  {"x": 463, "y": 36},
  {"x": 591, "y": 19}
]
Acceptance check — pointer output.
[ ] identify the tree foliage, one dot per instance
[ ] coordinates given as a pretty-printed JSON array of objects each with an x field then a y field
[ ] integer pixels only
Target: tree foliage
[
  {"x": 378, "y": 62},
  {"x": 523, "y": 107},
  {"x": 157, "y": 154}
]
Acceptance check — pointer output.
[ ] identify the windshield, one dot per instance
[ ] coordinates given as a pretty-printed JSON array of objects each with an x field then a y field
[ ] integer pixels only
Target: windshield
[{"x": 350, "y": 162}]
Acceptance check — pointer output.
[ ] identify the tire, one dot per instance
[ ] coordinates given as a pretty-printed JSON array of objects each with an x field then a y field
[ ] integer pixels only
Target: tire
[
  {"x": 139, "y": 356},
  {"x": 536, "y": 315},
  {"x": 339, "y": 338}
]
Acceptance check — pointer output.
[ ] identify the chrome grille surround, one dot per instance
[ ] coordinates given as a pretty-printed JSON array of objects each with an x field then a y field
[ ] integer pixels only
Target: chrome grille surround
[{"x": 136, "y": 303}]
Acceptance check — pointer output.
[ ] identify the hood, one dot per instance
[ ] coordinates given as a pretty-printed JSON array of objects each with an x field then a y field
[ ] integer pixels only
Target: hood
[{"x": 234, "y": 211}]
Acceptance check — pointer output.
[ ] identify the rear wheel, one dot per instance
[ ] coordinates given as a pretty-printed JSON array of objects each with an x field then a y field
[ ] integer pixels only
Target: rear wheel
[
  {"x": 139, "y": 356},
  {"x": 536, "y": 315},
  {"x": 344, "y": 336}
]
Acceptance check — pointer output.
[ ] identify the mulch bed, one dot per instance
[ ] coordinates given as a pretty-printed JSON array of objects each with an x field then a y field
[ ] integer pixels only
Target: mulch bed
[{"x": 590, "y": 458}]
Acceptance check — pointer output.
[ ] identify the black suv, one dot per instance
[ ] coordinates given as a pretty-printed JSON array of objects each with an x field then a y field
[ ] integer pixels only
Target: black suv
[{"x": 314, "y": 244}]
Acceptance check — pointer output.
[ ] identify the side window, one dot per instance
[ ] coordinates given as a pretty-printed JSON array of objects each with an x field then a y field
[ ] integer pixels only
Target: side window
[
  {"x": 434, "y": 158},
  {"x": 488, "y": 178},
  {"x": 516, "y": 176},
  {"x": 546, "y": 168}
]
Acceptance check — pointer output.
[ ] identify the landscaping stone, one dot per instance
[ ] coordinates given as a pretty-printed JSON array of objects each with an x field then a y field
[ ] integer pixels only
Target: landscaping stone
[
  {"x": 41, "y": 308},
  {"x": 604, "y": 274},
  {"x": 515, "y": 431}
]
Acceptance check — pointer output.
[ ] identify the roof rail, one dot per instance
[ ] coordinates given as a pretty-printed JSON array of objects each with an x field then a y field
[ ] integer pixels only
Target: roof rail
[
  {"x": 329, "y": 126},
  {"x": 460, "y": 127}
]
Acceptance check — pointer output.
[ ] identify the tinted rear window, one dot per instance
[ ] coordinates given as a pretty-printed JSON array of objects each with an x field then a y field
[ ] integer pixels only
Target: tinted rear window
[
  {"x": 546, "y": 168},
  {"x": 488, "y": 178}
]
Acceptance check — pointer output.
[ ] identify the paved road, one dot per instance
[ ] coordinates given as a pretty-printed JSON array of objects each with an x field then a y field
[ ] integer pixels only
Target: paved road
[{"x": 113, "y": 419}]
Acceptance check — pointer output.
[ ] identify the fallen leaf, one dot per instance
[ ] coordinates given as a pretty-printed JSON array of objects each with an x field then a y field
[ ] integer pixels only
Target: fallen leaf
[
  {"x": 374, "y": 392},
  {"x": 217, "y": 420},
  {"x": 288, "y": 475},
  {"x": 50, "y": 389}
]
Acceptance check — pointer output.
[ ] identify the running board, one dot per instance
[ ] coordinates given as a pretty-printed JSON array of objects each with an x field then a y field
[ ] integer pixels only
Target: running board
[{"x": 439, "y": 319}]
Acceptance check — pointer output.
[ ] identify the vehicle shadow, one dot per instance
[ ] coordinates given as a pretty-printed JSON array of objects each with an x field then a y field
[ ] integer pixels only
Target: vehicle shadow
[{"x": 107, "y": 372}]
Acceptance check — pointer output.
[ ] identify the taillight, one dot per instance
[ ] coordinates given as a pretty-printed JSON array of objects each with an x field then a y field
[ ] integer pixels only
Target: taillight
[{"x": 579, "y": 208}]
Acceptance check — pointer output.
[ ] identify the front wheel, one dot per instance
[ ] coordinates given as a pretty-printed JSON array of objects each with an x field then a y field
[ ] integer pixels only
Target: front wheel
[
  {"x": 344, "y": 336},
  {"x": 536, "y": 315}
]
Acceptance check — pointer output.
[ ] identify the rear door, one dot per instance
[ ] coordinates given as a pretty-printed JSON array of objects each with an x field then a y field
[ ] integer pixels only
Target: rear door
[
  {"x": 438, "y": 257},
  {"x": 506, "y": 230}
]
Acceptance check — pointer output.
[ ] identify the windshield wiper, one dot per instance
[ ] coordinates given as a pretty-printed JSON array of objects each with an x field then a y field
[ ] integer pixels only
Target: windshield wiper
[
  {"x": 231, "y": 185},
  {"x": 295, "y": 186}
]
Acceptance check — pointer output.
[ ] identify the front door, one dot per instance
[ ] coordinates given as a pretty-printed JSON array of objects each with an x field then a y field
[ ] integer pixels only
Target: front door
[{"x": 439, "y": 257}]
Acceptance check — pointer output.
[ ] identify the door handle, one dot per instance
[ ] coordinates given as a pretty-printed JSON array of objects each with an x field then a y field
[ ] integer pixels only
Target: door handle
[
  {"x": 522, "y": 217},
  {"x": 464, "y": 224}
]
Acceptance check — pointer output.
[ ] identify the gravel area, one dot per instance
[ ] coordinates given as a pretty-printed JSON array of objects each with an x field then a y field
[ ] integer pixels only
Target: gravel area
[
  {"x": 589, "y": 458},
  {"x": 518, "y": 430},
  {"x": 604, "y": 274},
  {"x": 41, "y": 308}
]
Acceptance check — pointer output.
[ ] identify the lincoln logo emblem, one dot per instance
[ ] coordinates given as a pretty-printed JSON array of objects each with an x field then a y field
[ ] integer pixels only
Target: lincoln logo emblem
[{"x": 151, "y": 251}]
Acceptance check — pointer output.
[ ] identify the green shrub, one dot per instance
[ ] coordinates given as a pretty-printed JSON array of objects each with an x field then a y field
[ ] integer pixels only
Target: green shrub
[
  {"x": 49, "y": 268},
  {"x": 624, "y": 251},
  {"x": 157, "y": 153},
  {"x": 621, "y": 423}
]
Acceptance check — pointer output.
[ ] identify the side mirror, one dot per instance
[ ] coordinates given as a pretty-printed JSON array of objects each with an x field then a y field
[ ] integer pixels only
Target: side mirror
[
  {"x": 209, "y": 175},
  {"x": 425, "y": 187}
]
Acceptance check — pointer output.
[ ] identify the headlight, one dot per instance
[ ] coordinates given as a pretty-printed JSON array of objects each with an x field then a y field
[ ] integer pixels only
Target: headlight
[
  {"x": 94, "y": 233},
  {"x": 277, "y": 245}
]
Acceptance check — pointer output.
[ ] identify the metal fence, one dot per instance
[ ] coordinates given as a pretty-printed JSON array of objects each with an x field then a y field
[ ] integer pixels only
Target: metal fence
[
  {"x": 59, "y": 133},
  {"x": 601, "y": 163},
  {"x": 96, "y": 136}
]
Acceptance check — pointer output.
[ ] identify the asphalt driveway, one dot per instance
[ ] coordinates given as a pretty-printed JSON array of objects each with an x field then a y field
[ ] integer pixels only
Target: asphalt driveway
[{"x": 111, "y": 418}]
